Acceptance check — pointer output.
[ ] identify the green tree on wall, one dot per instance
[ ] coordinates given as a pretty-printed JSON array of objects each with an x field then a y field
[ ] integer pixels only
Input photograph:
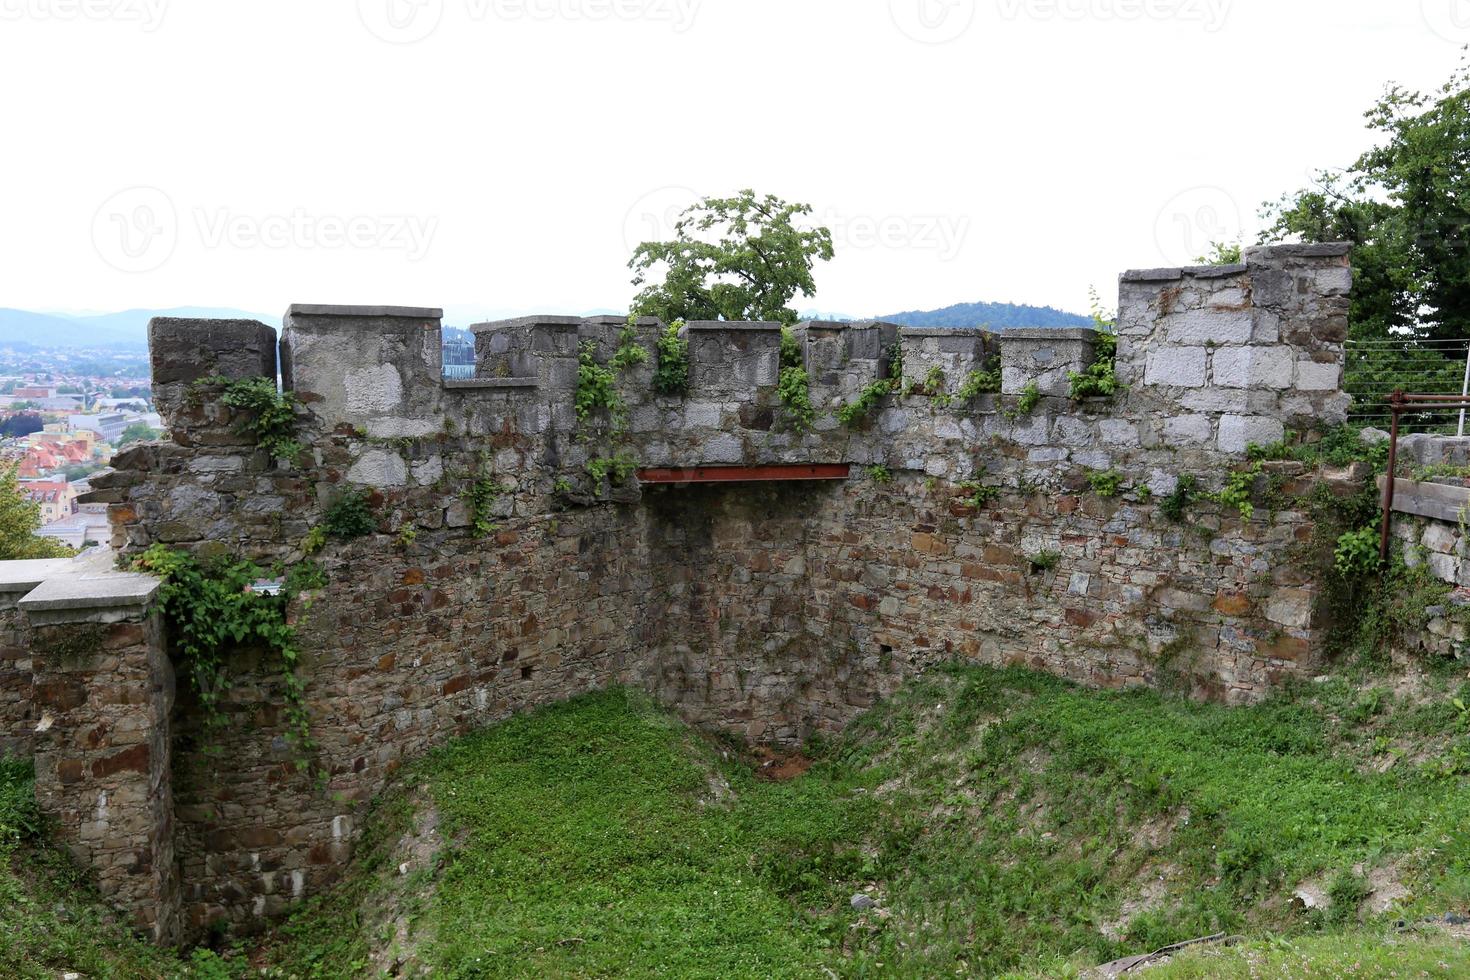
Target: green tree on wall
[
  {"x": 1405, "y": 207},
  {"x": 731, "y": 258},
  {"x": 19, "y": 519}
]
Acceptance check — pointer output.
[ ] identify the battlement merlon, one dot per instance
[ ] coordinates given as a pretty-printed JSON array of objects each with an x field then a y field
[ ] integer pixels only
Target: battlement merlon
[{"x": 1216, "y": 356}]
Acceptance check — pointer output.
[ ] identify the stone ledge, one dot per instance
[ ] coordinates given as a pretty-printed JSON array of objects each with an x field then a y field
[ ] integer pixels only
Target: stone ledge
[
  {"x": 614, "y": 320},
  {"x": 1047, "y": 333},
  {"x": 1171, "y": 273},
  {"x": 1309, "y": 250},
  {"x": 25, "y": 575},
  {"x": 471, "y": 384},
  {"x": 546, "y": 320},
  {"x": 976, "y": 332},
  {"x": 694, "y": 325},
  {"x": 328, "y": 309},
  {"x": 109, "y": 590},
  {"x": 846, "y": 324}
]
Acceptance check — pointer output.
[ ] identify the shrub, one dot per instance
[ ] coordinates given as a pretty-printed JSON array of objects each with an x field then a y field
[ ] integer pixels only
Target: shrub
[
  {"x": 1174, "y": 505},
  {"x": 794, "y": 385},
  {"x": 596, "y": 385},
  {"x": 1106, "y": 483},
  {"x": 978, "y": 383},
  {"x": 1044, "y": 561},
  {"x": 271, "y": 414},
  {"x": 671, "y": 372},
  {"x": 979, "y": 493},
  {"x": 630, "y": 353},
  {"x": 350, "y": 516},
  {"x": 1356, "y": 553},
  {"x": 213, "y": 609}
]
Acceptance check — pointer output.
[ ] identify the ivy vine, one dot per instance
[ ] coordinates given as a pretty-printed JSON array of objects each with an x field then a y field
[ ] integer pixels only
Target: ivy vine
[
  {"x": 630, "y": 353},
  {"x": 270, "y": 414},
  {"x": 596, "y": 386},
  {"x": 211, "y": 608},
  {"x": 793, "y": 385},
  {"x": 979, "y": 383},
  {"x": 671, "y": 372},
  {"x": 855, "y": 411}
]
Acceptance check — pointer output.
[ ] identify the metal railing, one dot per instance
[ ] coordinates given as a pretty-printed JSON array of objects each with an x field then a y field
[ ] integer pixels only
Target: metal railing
[
  {"x": 1376, "y": 369},
  {"x": 1400, "y": 404}
]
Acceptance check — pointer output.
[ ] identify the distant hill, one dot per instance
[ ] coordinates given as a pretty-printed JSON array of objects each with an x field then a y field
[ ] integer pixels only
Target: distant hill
[
  {"x": 992, "y": 316},
  {"x": 128, "y": 329}
]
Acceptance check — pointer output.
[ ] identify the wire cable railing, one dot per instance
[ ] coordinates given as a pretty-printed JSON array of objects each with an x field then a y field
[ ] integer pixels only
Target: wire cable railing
[{"x": 1378, "y": 368}]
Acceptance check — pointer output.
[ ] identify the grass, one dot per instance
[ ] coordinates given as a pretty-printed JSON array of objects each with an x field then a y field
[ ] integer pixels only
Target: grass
[
  {"x": 1359, "y": 955},
  {"x": 50, "y": 921},
  {"x": 1001, "y": 822}
]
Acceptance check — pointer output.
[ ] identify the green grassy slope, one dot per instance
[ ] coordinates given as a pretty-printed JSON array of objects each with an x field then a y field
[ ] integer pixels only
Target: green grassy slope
[
  {"x": 1001, "y": 821},
  {"x": 997, "y": 823}
]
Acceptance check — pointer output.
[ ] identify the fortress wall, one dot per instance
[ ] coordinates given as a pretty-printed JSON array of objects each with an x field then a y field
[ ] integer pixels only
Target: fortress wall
[{"x": 769, "y": 610}]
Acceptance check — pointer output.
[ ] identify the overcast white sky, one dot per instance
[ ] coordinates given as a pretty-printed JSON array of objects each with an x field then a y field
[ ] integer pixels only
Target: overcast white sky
[{"x": 500, "y": 156}]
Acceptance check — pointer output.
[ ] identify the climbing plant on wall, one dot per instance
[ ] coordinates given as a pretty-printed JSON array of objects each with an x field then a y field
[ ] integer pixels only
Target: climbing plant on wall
[
  {"x": 270, "y": 415},
  {"x": 213, "y": 608}
]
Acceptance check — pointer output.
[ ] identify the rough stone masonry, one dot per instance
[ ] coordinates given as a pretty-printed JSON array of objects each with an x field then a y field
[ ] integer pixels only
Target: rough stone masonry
[{"x": 519, "y": 561}]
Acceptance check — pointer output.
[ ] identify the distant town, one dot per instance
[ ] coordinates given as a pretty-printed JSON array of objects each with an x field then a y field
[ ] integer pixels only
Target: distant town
[{"x": 63, "y": 413}]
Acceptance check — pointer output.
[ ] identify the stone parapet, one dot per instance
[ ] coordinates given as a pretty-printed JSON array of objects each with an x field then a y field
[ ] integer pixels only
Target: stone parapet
[{"x": 102, "y": 694}]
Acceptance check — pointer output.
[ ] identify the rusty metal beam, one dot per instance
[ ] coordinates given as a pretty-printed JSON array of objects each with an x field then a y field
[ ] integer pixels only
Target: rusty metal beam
[{"x": 745, "y": 474}]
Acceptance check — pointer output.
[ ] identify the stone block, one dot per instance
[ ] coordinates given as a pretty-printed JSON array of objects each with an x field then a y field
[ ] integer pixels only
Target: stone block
[
  {"x": 1313, "y": 376},
  {"x": 1239, "y": 431},
  {"x": 1253, "y": 367},
  {"x": 1188, "y": 430},
  {"x": 1208, "y": 326},
  {"x": 1179, "y": 367}
]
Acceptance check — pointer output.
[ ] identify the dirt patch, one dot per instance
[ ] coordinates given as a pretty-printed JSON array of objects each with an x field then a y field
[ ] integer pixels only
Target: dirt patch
[
  {"x": 408, "y": 885},
  {"x": 779, "y": 767},
  {"x": 1151, "y": 893}
]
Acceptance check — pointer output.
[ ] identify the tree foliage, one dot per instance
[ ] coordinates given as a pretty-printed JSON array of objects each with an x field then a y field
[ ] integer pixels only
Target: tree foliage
[
  {"x": 1405, "y": 207},
  {"x": 731, "y": 258},
  {"x": 19, "y": 518},
  {"x": 138, "y": 432}
]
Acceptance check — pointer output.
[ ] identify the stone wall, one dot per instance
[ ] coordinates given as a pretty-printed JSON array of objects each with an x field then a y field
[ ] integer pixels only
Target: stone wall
[
  {"x": 770, "y": 610},
  {"x": 98, "y": 726}
]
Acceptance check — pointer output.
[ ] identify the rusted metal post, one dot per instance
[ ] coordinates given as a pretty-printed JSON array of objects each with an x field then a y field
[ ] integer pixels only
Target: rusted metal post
[{"x": 1395, "y": 406}]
